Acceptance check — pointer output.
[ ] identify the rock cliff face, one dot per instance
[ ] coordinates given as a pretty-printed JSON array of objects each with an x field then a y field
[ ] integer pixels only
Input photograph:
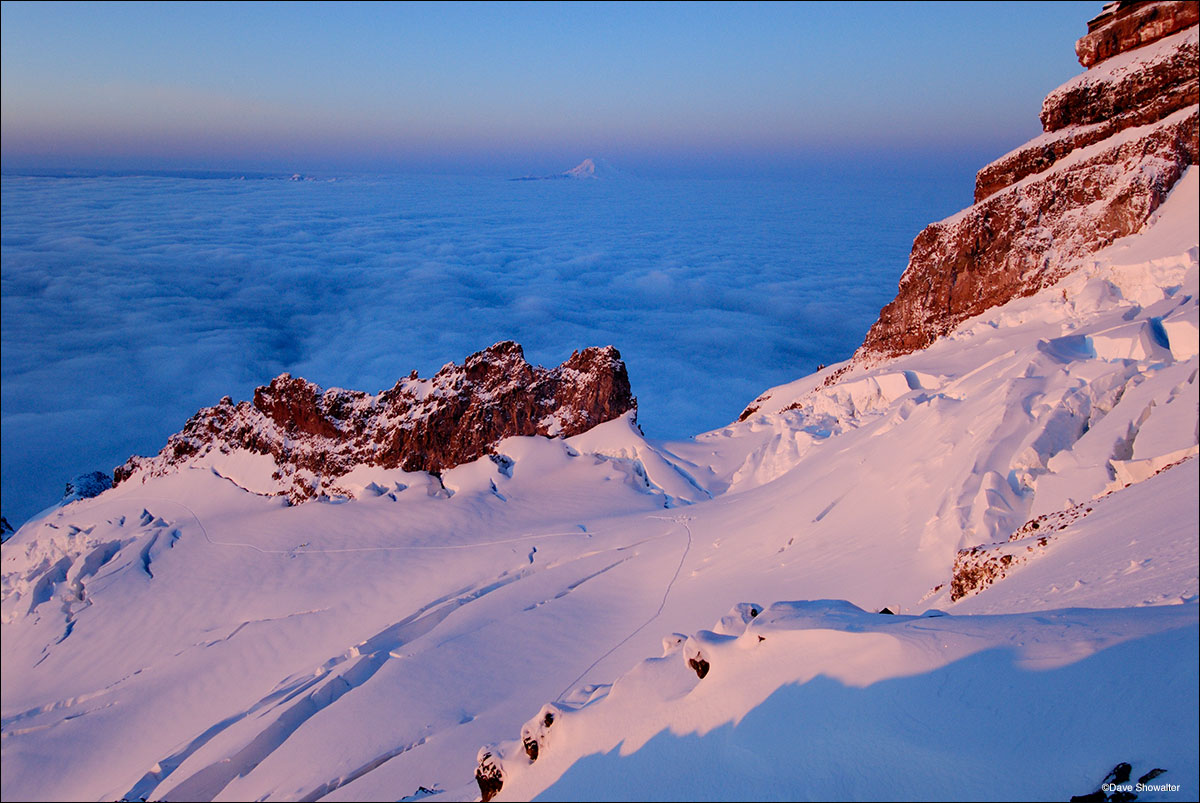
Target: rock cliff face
[
  {"x": 1134, "y": 89},
  {"x": 1126, "y": 25},
  {"x": 458, "y": 415},
  {"x": 1117, "y": 138}
]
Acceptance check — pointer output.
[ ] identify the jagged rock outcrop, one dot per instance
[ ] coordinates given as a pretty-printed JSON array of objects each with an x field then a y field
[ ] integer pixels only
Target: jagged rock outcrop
[
  {"x": 1135, "y": 89},
  {"x": 458, "y": 415},
  {"x": 488, "y": 775},
  {"x": 6, "y": 530},
  {"x": 1117, "y": 139},
  {"x": 85, "y": 486},
  {"x": 1127, "y": 25}
]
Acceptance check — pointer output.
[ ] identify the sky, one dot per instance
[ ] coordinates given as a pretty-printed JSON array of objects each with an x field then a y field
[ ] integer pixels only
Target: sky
[{"x": 478, "y": 88}]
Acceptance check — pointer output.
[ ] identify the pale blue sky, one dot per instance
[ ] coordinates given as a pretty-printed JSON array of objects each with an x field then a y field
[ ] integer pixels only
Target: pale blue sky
[{"x": 524, "y": 87}]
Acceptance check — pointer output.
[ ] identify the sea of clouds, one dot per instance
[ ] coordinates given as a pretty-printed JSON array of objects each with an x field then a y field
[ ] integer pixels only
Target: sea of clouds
[{"x": 130, "y": 302}]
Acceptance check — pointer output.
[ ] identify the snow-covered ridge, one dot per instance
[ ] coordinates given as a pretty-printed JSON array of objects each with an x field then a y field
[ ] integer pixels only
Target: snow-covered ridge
[
  {"x": 1137, "y": 88},
  {"x": 300, "y": 441},
  {"x": 1036, "y": 383},
  {"x": 1129, "y": 316},
  {"x": 1152, "y": 67},
  {"x": 585, "y": 170},
  {"x": 1028, "y": 236},
  {"x": 588, "y": 170}
]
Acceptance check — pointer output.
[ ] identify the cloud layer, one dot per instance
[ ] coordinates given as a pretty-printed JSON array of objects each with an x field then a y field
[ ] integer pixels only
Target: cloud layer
[{"x": 129, "y": 302}]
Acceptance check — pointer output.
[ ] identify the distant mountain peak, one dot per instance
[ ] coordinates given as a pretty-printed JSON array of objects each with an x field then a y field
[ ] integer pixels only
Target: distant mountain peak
[
  {"x": 585, "y": 169},
  {"x": 589, "y": 168}
]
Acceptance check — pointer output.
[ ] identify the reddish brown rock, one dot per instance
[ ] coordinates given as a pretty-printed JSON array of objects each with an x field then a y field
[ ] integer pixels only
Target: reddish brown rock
[
  {"x": 978, "y": 567},
  {"x": 1140, "y": 88},
  {"x": 456, "y": 416},
  {"x": 301, "y": 408},
  {"x": 1135, "y": 90},
  {"x": 489, "y": 776},
  {"x": 1118, "y": 138},
  {"x": 975, "y": 570},
  {"x": 1124, "y": 26},
  {"x": 1044, "y": 152},
  {"x": 1029, "y": 235}
]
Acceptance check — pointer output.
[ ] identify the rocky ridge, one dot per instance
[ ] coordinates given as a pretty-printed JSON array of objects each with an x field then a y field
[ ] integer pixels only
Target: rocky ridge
[
  {"x": 1117, "y": 138},
  {"x": 315, "y": 436},
  {"x": 85, "y": 486},
  {"x": 1128, "y": 24}
]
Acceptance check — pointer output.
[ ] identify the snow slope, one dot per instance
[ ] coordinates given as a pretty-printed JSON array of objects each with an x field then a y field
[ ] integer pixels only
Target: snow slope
[
  {"x": 821, "y": 700},
  {"x": 190, "y": 639}
]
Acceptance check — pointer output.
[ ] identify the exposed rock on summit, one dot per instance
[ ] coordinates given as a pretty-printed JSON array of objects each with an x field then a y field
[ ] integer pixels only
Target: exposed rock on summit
[
  {"x": 458, "y": 415},
  {"x": 1132, "y": 89},
  {"x": 1135, "y": 89},
  {"x": 1126, "y": 25},
  {"x": 1117, "y": 138}
]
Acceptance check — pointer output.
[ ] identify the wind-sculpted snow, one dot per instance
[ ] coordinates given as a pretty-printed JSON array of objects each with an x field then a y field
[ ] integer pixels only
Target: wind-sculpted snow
[
  {"x": 1097, "y": 553},
  {"x": 184, "y": 634},
  {"x": 1101, "y": 371},
  {"x": 926, "y": 706},
  {"x": 1076, "y": 420},
  {"x": 1048, "y": 535}
]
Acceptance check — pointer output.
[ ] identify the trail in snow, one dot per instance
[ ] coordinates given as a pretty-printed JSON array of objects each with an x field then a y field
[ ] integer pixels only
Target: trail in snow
[
  {"x": 372, "y": 654},
  {"x": 682, "y": 521},
  {"x": 299, "y": 550},
  {"x": 320, "y": 689}
]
